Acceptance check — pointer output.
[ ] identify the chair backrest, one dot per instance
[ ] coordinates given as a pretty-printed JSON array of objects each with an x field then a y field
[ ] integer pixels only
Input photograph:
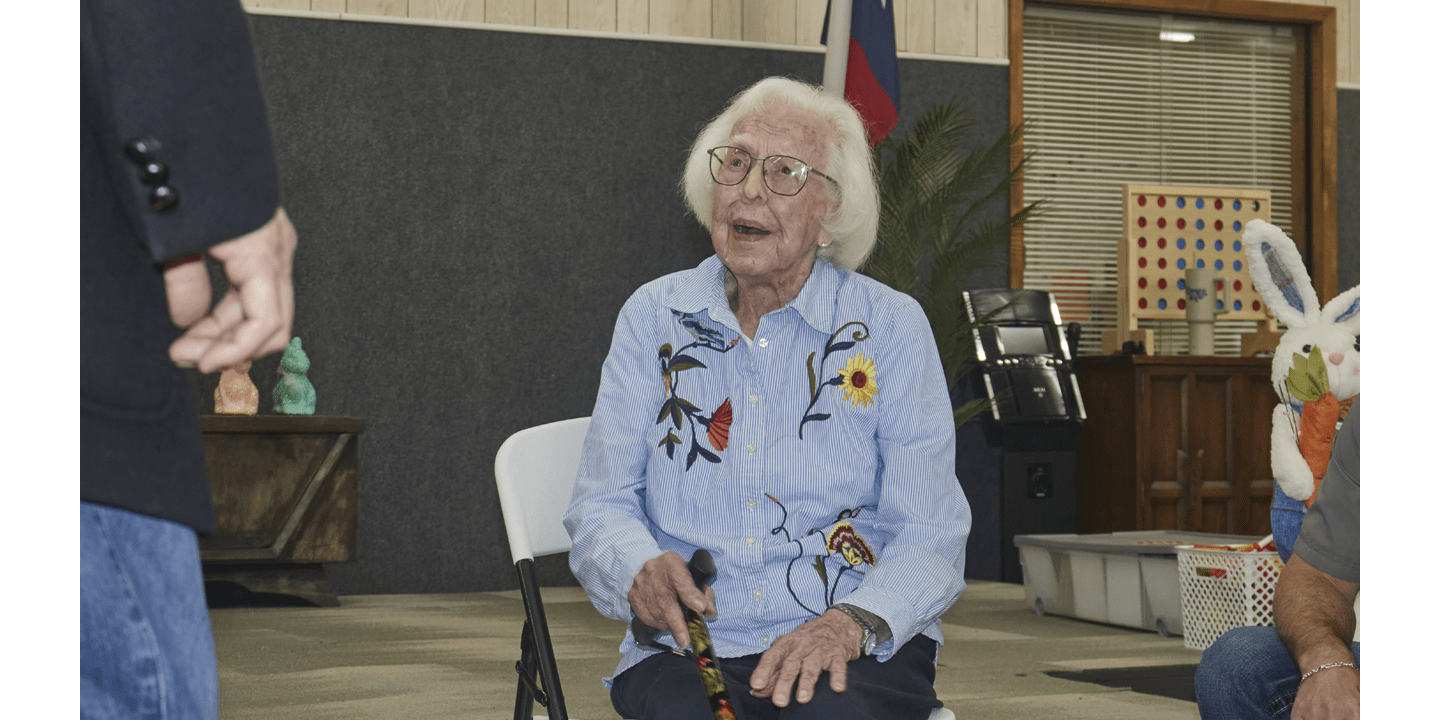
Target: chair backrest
[{"x": 535, "y": 474}]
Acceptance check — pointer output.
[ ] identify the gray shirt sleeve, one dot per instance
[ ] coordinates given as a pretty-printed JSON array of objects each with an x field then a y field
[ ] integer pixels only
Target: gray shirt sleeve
[{"x": 1330, "y": 536}]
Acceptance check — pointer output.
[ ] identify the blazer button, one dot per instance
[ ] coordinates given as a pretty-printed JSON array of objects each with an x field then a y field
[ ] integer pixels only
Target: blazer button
[
  {"x": 154, "y": 174},
  {"x": 142, "y": 150},
  {"x": 163, "y": 198}
]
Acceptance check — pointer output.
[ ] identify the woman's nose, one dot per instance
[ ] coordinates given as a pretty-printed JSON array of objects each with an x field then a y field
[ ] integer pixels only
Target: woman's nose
[
  {"x": 1336, "y": 358},
  {"x": 754, "y": 185}
]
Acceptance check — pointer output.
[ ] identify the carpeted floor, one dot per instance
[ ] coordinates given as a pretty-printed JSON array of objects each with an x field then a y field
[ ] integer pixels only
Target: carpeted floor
[{"x": 386, "y": 657}]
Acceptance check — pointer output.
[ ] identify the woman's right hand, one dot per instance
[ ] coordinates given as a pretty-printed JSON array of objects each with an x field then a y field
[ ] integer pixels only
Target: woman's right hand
[{"x": 659, "y": 589}]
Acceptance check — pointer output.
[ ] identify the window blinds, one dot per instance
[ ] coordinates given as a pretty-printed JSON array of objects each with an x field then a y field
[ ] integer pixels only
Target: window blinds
[{"x": 1110, "y": 103}]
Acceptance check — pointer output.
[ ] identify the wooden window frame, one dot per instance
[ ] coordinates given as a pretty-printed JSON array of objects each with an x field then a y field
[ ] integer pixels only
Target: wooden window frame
[{"x": 1314, "y": 230}]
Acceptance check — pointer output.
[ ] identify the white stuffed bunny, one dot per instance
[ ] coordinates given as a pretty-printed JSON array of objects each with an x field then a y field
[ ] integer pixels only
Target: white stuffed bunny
[{"x": 1316, "y": 367}]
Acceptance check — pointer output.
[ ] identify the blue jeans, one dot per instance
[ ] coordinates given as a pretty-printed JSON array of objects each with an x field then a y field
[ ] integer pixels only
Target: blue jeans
[
  {"x": 1286, "y": 515},
  {"x": 145, "y": 645},
  {"x": 1247, "y": 673}
]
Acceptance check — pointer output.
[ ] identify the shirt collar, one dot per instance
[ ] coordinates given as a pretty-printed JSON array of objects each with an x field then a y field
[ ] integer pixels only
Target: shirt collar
[{"x": 815, "y": 303}]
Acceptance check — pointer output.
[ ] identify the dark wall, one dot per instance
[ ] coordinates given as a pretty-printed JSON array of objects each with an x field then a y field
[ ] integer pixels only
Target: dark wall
[{"x": 473, "y": 209}]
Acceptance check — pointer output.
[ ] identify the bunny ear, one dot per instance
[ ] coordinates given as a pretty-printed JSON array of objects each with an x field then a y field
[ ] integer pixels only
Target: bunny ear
[
  {"x": 1344, "y": 310},
  {"x": 1279, "y": 274}
]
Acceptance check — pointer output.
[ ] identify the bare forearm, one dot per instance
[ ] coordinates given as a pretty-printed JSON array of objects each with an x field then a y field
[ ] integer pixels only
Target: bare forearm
[{"x": 1314, "y": 615}]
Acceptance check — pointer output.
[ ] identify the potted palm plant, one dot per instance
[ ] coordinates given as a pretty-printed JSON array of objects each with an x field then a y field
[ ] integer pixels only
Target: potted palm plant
[{"x": 934, "y": 198}]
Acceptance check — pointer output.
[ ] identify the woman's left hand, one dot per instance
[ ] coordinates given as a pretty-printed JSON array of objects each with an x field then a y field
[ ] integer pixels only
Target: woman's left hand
[{"x": 796, "y": 659}]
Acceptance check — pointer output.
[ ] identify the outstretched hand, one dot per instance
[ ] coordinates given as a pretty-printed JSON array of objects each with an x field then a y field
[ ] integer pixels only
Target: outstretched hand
[
  {"x": 827, "y": 643},
  {"x": 659, "y": 589},
  {"x": 253, "y": 319}
]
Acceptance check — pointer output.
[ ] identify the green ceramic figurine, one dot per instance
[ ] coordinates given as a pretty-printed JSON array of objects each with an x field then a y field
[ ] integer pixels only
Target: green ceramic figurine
[{"x": 294, "y": 395}]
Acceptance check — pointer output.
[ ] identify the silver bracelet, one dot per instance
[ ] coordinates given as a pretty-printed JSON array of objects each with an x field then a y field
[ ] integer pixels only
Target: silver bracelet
[{"x": 1327, "y": 665}]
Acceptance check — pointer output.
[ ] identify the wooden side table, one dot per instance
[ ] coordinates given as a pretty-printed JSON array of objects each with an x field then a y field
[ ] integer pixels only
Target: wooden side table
[{"x": 285, "y": 492}]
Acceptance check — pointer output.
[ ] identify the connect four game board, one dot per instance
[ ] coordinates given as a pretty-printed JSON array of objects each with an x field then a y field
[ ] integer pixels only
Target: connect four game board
[{"x": 1170, "y": 228}]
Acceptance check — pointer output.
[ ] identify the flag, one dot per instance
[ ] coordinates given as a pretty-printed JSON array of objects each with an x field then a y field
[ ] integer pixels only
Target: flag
[{"x": 872, "y": 75}]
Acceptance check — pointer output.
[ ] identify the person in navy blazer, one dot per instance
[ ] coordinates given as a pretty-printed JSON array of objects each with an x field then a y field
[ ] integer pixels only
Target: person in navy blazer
[{"x": 175, "y": 163}]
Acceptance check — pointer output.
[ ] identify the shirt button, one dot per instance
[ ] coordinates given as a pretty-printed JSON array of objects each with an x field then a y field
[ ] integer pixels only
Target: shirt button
[
  {"x": 758, "y": 593},
  {"x": 749, "y": 541},
  {"x": 765, "y": 639},
  {"x": 754, "y": 399},
  {"x": 764, "y": 342},
  {"x": 750, "y": 447},
  {"x": 749, "y": 504}
]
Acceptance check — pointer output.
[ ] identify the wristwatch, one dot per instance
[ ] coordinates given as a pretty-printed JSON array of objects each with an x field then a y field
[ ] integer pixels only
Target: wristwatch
[{"x": 867, "y": 641}]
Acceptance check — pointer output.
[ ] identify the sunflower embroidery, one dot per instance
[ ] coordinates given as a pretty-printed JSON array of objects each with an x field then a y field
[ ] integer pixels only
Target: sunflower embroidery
[
  {"x": 866, "y": 381},
  {"x": 859, "y": 386}
]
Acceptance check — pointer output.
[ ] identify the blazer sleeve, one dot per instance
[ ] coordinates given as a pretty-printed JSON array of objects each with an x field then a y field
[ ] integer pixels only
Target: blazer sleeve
[{"x": 181, "y": 74}]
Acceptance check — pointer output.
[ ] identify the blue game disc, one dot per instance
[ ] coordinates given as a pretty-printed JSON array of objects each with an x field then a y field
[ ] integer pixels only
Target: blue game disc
[
  {"x": 1180, "y": 264},
  {"x": 1220, "y": 306},
  {"x": 1162, "y": 303},
  {"x": 1236, "y": 266},
  {"x": 1179, "y": 203},
  {"x": 1180, "y": 284},
  {"x": 1199, "y": 203},
  {"x": 1200, "y": 264},
  {"x": 1236, "y": 226},
  {"x": 1179, "y": 243},
  {"x": 1237, "y": 305},
  {"x": 1237, "y": 248},
  {"x": 1236, "y": 205},
  {"x": 1199, "y": 244}
]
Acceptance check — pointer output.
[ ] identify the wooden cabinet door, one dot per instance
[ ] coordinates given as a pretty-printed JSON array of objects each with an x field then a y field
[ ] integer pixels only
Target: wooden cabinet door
[{"x": 1203, "y": 462}]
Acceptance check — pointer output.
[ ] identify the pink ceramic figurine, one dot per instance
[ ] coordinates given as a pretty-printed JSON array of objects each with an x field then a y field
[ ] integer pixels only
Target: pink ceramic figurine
[{"x": 236, "y": 394}]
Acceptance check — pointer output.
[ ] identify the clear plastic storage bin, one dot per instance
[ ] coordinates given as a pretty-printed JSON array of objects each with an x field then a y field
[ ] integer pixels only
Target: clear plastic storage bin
[{"x": 1124, "y": 578}]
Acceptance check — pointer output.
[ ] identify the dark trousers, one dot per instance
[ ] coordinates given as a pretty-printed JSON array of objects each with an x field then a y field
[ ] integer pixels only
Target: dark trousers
[{"x": 667, "y": 687}]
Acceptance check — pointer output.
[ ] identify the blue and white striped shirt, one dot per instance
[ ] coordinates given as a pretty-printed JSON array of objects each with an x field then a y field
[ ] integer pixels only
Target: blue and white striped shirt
[{"x": 815, "y": 462}]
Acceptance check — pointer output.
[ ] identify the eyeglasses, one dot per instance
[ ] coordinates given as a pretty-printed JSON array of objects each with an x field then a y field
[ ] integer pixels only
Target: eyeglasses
[{"x": 784, "y": 175}]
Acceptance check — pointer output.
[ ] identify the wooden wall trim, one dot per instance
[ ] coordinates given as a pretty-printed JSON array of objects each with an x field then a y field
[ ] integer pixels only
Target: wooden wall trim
[
  {"x": 1321, "y": 143},
  {"x": 1017, "y": 118}
]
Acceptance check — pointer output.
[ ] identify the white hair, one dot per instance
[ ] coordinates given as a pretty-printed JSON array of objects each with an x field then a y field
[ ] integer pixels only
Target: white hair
[{"x": 853, "y": 225}]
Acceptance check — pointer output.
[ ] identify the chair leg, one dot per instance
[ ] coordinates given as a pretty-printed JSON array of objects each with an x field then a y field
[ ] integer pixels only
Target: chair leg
[
  {"x": 526, "y": 692},
  {"x": 552, "y": 698}
]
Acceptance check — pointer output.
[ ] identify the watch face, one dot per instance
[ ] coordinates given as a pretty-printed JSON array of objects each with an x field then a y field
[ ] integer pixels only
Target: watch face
[{"x": 869, "y": 643}]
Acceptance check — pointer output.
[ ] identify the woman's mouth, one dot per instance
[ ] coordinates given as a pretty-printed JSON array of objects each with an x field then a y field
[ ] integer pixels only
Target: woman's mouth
[{"x": 747, "y": 230}]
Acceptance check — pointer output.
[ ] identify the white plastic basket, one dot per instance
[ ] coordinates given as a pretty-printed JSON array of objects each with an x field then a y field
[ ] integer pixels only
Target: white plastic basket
[{"x": 1225, "y": 589}]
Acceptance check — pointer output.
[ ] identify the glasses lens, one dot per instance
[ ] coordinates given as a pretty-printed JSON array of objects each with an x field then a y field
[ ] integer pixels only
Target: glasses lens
[
  {"x": 728, "y": 165},
  {"x": 785, "y": 175}
]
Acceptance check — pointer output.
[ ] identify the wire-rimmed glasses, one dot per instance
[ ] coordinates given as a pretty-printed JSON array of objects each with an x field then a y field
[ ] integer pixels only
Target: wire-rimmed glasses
[{"x": 784, "y": 175}]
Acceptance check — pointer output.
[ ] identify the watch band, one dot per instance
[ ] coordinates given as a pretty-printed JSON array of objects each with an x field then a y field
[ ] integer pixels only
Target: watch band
[{"x": 867, "y": 640}]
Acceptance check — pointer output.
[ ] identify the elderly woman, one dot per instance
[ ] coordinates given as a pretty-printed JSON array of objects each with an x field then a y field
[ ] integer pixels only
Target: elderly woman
[{"x": 788, "y": 415}]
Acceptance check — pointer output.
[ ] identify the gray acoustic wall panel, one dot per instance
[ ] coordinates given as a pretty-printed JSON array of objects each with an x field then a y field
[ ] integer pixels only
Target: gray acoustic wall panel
[{"x": 473, "y": 209}]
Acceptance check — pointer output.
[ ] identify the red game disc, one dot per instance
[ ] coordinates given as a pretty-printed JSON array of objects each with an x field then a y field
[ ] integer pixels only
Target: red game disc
[
  {"x": 1160, "y": 243},
  {"x": 1141, "y": 200},
  {"x": 1142, "y": 242},
  {"x": 1180, "y": 304},
  {"x": 1142, "y": 262},
  {"x": 1180, "y": 223},
  {"x": 1217, "y": 204},
  {"x": 1160, "y": 284},
  {"x": 1160, "y": 201},
  {"x": 1160, "y": 222},
  {"x": 1219, "y": 225},
  {"x": 1161, "y": 263},
  {"x": 1142, "y": 221},
  {"x": 1143, "y": 303},
  {"x": 1142, "y": 283},
  {"x": 1238, "y": 286}
]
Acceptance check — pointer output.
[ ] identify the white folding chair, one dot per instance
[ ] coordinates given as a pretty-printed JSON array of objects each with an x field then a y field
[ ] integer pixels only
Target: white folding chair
[{"x": 535, "y": 474}]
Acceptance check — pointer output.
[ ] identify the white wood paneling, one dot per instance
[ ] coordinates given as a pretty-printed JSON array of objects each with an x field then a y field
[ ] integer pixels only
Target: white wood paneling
[
  {"x": 391, "y": 8},
  {"x": 727, "y": 19},
  {"x": 465, "y": 10},
  {"x": 632, "y": 16},
  {"x": 686, "y": 18},
  {"x": 510, "y": 12},
  {"x": 591, "y": 15},
  {"x": 920, "y": 26},
  {"x": 771, "y": 21},
  {"x": 809, "y": 21},
  {"x": 992, "y": 21},
  {"x": 955, "y": 27},
  {"x": 551, "y": 13}
]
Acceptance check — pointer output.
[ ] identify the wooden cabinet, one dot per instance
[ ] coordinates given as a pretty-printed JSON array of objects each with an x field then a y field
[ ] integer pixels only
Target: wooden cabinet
[
  {"x": 285, "y": 489},
  {"x": 1174, "y": 443}
]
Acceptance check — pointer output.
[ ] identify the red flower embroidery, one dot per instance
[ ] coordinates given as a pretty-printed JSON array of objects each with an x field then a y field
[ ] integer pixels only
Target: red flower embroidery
[{"x": 719, "y": 433}]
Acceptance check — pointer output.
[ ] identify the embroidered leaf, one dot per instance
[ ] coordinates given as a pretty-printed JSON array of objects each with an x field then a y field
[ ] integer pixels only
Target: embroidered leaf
[
  {"x": 815, "y": 416},
  {"x": 837, "y": 380},
  {"x": 684, "y": 362},
  {"x": 820, "y": 568},
  {"x": 682, "y": 402},
  {"x": 669, "y": 442},
  {"x": 837, "y": 347},
  {"x": 670, "y": 407},
  {"x": 712, "y": 457},
  {"x": 665, "y": 351}
]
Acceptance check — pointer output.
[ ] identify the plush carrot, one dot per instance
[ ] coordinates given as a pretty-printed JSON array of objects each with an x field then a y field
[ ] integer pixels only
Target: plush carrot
[{"x": 1309, "y": 381}]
